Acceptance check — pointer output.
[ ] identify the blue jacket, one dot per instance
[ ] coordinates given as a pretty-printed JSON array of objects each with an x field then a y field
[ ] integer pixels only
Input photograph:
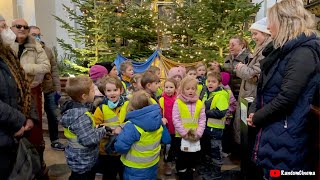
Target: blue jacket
[
  {"x": 80, "y": 124},
  {"x": 149, "y": 119},
  {"x": 285, "y": 89}
]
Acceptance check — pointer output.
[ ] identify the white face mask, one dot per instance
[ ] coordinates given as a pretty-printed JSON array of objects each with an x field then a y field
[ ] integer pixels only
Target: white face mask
[{"x": 8, "y": 36}]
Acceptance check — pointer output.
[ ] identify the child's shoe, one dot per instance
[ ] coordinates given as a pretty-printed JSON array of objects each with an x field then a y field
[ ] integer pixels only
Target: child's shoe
[{"x": 167, "y": 169}]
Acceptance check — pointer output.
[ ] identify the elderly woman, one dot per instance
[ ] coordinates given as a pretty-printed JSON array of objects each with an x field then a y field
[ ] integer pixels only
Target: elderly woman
[
  {"x": 249, "y": 72},
  {"x": 16, "y": 115},
  {"x": 286, "y": 86},
  {"x": 239, "y": 53}
]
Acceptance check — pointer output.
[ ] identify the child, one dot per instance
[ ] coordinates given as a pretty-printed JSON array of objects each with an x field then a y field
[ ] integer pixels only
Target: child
[
  {"x": 177, "y": 74},
  {"x": 189, "y": 121},
  {"x": 96, "y": 72},
  {"x": 111, "y": 113},
  {"x": 135, "y": 84},
  {"x": 166, "y": 103},
  {"x": 155, "y": 70},
  {"x": 126, "y": 70},
  {"x": 216, "y": 103},
  {"x": 150, "y": 83},
  {"x": 201, "y": 76},
  {"x": 139, "y": 141},
  {"x": 192, "y": 72},
  {"x": 79, "y": 128}
]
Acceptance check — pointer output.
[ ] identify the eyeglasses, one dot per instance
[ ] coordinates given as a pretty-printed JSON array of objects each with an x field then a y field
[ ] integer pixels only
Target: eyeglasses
[{"x": 18, "y": 26}]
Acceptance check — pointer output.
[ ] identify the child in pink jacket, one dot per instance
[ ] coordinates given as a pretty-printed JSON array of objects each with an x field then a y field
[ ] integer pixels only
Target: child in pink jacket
[{"x": 189, "y": 120}]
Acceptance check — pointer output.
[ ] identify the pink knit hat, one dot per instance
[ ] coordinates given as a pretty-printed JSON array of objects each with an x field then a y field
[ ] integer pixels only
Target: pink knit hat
[
  {"x": 225, "y": 78},
  {"x": 96, "y": 72},
  {"x": 176, "y": 71}
]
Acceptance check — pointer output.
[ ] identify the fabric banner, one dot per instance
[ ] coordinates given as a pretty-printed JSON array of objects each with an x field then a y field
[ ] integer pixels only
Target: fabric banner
[{"x": 156, "y": 59}]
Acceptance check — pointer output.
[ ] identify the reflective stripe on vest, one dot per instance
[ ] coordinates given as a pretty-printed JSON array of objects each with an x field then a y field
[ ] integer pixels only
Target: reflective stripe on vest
[
  {"x": 72, "y": 138},
  {"x": 213, "y": 122},
  {"x": 188, "y": 121},
  {"x": 145, "y": 152},
  {"x": 114, "y": 119},
  {"x": 161, "y": 103}
]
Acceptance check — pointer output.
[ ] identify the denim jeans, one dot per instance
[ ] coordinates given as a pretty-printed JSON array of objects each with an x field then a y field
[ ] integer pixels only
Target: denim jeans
[{"x": 51, "y": 110}]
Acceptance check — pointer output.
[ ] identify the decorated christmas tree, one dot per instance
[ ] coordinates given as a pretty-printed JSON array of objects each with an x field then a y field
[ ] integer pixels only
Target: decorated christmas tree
[
  {"x": 105, "y": 28},
  {"x": 202, "y": 29}
]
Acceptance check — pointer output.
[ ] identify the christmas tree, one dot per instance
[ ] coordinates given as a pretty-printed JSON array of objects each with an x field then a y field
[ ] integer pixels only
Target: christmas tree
[
  {"x": 104, "y": 29},
  {"x": 202, "y": 29}
]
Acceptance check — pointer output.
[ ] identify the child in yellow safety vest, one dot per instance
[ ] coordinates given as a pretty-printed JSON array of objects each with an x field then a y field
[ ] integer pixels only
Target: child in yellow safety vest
[
  {"x": 189, "y": 120},
  {"x": 150, "y": 83},
  {"x": 79, "y": 128},
  {"x": 111, "y": 112},
  {"x": 216, "y": 102},
  {"x": 126, "y": 71},
  {"x": 155, "y": 70},
  {"x": 139, "y": 141}
]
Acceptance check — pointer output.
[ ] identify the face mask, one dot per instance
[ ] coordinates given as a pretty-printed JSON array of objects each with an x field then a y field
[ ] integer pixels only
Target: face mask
[
  {"x": 37, "y": 38},
  {"x": 112, "y": 105},
  {"x": 8, "y": 36}
]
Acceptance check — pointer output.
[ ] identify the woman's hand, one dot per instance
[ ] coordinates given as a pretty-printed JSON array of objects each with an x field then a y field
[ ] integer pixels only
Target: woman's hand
[
  {"x": 239, "y": 65},
  {"x": 249, "y": 120},
  {"x": 29, "y": 125},
  {"x": 20, "y": 132}
]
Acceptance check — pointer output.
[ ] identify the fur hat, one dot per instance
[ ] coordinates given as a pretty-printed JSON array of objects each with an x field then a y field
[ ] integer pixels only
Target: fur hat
[
  {"x": 1, "y": 18},
  {"x": 260, "y": 25},
  {"x": 176, "y": 71},
  {"x": 96, "y": 72}
]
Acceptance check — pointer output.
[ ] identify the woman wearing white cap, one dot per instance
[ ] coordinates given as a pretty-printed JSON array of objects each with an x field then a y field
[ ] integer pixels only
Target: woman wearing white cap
[{"x": 249, "y": 72}]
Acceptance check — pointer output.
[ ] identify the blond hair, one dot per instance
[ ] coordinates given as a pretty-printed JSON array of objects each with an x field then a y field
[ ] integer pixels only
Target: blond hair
[
  {"x": 153, "y": 69},
  {"x": 173, "y": 81},
  {"x": 291, "y": 19},
  {"x": 124, "y": 66},
  {"x": 77, "y": 86},
  {"x": 199, "y": 64},
  {"x": 111, "y": 80},
  {"x": 139, "y": 100},
  {"x": 187, "y": 80}
]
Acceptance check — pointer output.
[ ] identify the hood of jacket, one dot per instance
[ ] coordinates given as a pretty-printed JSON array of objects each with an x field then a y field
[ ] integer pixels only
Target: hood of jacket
[
  {"x": 71, "y": 111},
  {"x": 148, "y": 118},
  {"x": 302, "y": 40}
]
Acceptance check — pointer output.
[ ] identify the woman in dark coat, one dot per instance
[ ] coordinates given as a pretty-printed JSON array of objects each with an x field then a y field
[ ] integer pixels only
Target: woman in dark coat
[
  {"x": 16, "y": 113},
  {"x": 285, "y": 89}
]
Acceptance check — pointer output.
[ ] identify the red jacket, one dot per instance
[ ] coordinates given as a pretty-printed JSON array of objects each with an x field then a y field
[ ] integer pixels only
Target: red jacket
[{"x": 168, "y": 105}]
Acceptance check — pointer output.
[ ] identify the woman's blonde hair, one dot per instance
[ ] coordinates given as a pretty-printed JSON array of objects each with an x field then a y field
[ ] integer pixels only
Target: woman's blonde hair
[
  {"x": 187, "y": 80},
  {"x": 139, "y": 100},
  {"x": 291, "y": 19}
]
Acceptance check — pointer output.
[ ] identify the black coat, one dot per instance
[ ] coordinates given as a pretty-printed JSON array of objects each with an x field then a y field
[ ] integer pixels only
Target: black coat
[{"x": 11, "y": 118}]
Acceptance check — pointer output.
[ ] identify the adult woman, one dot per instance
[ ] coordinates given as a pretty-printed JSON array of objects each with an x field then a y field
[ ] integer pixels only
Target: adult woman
[
  {"x": 239, "y": 52},
  {"x": 285, "y": 88},
  {"x": 15, "y": 101},
  {"x": 250, "y": 71}
]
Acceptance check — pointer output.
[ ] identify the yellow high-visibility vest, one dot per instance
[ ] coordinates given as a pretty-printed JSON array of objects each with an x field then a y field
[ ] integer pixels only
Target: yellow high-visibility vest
[
  {"x": 188, "y": 121},
  {"x": 161, "y": 103},
  {"x": 113, "y": 118},
  {"x": 72, "y": 138},
  {"x": 144, "y": 153},
  {"x": 221, "y": 101}
]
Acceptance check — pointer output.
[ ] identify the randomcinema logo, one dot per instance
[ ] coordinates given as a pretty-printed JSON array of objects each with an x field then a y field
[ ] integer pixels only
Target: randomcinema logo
[{"x": 278, "y": 173}]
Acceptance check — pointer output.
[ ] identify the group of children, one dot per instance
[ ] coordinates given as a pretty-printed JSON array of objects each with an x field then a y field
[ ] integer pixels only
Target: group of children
[{"x": 118, "y": 130}]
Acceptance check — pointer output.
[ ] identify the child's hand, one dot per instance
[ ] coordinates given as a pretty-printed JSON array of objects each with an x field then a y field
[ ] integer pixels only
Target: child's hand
[
  {"x": 164, "y": 121},
  {"x": 249, "y": 120},
  {"x": 117, "y": 130}
]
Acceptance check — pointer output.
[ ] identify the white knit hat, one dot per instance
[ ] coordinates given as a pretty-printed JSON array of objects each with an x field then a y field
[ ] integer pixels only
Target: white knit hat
[{"x": 260, "y": 25}]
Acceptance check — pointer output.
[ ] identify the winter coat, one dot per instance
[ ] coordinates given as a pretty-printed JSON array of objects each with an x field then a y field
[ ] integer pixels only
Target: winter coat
[
  {"x": 285, "y": 89},
  {"x": 11, "y": 117},
  {"x": 51, "y": 81},
  {"x": 80, "y": 124},
  {"x": 149, "y": 119},
  {"x": 178, "y": 123},
  {"x": 33, "y": 60},
  {"x": 167, "y": 109},
  {"x": 249, "y": 73},
  {"x": 230, "y": 63}
]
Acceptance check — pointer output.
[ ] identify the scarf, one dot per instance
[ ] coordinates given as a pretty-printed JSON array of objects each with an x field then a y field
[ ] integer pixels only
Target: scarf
[
  {"x": 126, "y": 78},
  {"x": 113, "y": 105},
  {"x": 186, "y": 99}
]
